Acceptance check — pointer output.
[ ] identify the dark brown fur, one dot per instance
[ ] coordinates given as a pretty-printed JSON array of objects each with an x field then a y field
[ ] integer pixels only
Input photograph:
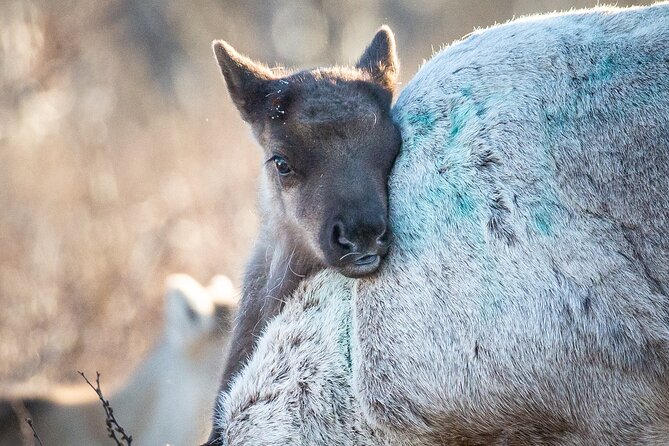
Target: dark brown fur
[{"x": 332, "y": 129}]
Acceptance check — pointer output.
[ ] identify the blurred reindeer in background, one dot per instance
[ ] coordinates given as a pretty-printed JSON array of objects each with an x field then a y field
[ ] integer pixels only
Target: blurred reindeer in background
[{"x": 166, "y": 400}]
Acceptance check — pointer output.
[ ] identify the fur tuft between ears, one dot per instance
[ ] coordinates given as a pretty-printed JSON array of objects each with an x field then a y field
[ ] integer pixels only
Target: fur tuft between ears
[{"x": 380, "y": 59}]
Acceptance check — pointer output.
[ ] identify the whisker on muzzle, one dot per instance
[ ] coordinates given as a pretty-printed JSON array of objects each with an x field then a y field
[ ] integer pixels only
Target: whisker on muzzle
[{"x": 349, "y": 254}]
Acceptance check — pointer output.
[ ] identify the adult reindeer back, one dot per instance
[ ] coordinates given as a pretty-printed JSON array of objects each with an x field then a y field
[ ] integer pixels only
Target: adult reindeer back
[{"x": 525, "y": 301}]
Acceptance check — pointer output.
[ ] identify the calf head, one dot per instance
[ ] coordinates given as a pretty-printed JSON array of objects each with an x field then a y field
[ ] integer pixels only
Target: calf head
[{"x": 329, "y": 145}]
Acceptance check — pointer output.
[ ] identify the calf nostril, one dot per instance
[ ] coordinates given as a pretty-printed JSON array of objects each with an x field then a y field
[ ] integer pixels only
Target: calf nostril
[{"x": 339, "y": 239}]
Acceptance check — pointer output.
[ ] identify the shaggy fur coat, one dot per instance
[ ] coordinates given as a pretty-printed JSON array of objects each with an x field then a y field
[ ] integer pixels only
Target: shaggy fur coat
[{"x": 526, "y": 297}]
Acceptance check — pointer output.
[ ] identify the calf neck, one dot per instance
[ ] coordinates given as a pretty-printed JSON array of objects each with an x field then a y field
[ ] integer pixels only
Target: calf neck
[{"x": 329, "y": 144}]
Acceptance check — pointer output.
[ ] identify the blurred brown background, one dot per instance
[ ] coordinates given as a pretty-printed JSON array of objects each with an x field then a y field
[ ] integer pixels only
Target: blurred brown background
[{"x": 122, "y": 158}]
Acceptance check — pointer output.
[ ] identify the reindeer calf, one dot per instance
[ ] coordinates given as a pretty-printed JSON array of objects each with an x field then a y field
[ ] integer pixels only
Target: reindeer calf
[{"x": 330, "y": 143}]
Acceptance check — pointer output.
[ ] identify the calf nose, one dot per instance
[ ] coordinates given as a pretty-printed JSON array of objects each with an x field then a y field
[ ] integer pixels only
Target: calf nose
[{"x": 360, "y": 238}]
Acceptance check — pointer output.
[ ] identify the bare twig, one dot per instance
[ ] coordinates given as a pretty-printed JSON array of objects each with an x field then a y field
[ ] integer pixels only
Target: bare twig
[
  {"x": 25, "y": 423},
  {"x": 113, "y": 428},
  {"x": 30, "y": 423}
]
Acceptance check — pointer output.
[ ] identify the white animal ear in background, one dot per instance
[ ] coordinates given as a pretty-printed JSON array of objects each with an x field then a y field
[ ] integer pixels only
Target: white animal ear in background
[
  {"x": 225, "y": 297},
  {"x": 188, "y": 305}
]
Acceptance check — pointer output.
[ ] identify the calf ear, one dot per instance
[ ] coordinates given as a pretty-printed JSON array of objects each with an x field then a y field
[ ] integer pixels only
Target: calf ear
[
  {"x": 380, "y": 59},
  {"x": 247, "y": 81}
]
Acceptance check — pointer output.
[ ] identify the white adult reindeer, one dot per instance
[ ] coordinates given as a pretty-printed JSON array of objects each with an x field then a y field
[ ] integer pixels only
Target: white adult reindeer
[
  {"x": 525, "y": 300},
  {"x": 167, "y": 400}
]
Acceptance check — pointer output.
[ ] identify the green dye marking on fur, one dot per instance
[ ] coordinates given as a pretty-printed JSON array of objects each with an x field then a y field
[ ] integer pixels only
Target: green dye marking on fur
[
  {"x": 460, "y": 115},
  {"x": 556, "y": 119},
  {"x": 345, "y": 340},
  {"x": 422, "y": 123},
  {"x": 465, "y": 205},
  {"x": 543, "y": 223},
  {"x": 458, "y": 118},
  {"x": 604, "y": 70}
]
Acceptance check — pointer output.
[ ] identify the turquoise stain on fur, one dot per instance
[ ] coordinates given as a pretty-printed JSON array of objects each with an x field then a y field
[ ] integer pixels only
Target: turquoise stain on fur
[
  {"x": 457, "y": 122},
  {"x": 456, "y": 185},
  {"x": 344, "y": 339},
  {"x": 457, "y": 154},
  {"x": 416, "y": 127},
  {"x": 556, "y": 120},
  {"x": 559, "y": 116},
  {"x": 423, "y": 122},
  {"x": 444, "y": 195},
  {"x": 604, "y": 70},
  {"x": 459, "y": 116},
  {"x": 436, "y": 203},
  {"x": 543, "y": 223},
  {"x": 464, "y": 204},
  {"x": 548, "y": 216},
  {"x": 466, "y": 92}
]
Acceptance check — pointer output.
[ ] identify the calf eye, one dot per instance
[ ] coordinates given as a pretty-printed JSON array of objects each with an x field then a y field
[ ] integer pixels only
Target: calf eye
[{"x": 282, "y": 165}]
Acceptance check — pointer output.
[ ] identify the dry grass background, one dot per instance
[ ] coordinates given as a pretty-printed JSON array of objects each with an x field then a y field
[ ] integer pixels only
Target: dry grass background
[{"x": 122, "y": 159}]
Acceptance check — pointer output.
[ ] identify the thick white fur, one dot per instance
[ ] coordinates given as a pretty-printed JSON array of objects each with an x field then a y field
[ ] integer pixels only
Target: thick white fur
[
  {"x": 167, "y": 400},
  {"x": 526, "y": 298}
]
